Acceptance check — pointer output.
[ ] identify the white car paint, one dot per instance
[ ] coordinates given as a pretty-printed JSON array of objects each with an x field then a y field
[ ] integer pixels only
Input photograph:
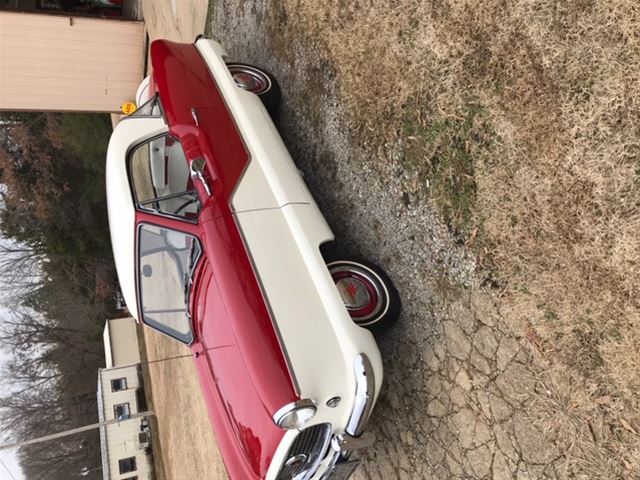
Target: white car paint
[{"x": 128, "y": 132}]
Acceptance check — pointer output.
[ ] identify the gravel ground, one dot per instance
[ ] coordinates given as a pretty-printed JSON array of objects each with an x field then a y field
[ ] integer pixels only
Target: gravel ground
[{"x": 459, "y": 394}]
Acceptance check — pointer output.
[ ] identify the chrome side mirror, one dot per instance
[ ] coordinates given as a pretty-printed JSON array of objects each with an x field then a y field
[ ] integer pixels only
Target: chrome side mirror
[{"x": 196, "y": 169}]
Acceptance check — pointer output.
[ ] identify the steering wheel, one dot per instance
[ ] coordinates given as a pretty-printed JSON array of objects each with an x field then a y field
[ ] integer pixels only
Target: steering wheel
[{"x": 185, "y": 205}]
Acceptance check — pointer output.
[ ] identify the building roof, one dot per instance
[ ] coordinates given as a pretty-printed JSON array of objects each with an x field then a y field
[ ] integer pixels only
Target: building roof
[
  {"x": 120, "y": 342},
  {"x": 106, "y": 338}
]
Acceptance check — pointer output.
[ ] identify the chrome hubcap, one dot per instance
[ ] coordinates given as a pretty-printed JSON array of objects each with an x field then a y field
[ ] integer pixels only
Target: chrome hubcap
[
  {"x": 362, "y": 292},
  {"x": 249, "y": 79},
  {"x": 353, "y": 292}
]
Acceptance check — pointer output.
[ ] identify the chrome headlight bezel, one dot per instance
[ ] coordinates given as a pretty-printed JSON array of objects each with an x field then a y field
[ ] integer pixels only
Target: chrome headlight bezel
[{"x": 295, "y": 415}]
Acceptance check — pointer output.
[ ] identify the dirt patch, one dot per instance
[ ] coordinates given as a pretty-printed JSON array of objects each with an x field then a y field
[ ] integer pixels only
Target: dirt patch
[
  {"x": 178, "y": 20},
  {"x": 186, "y": 445}
]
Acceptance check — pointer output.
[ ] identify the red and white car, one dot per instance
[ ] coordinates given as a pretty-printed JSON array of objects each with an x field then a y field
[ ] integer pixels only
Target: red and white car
[{"x": 217, "y": 243}]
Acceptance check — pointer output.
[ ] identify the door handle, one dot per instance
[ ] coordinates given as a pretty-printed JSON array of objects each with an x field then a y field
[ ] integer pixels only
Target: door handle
[{"x": 196, "y": 169}]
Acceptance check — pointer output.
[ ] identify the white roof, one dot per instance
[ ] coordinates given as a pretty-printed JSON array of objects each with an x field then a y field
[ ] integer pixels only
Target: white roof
[
  {"x": 127, "y": 133},
  {"x": 106, "y": 338}
]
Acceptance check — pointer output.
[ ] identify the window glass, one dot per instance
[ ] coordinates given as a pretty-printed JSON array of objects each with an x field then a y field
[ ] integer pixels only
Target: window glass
[
  {"x": 165, "y": 265},
  {"x": 160, "y": 176},
  {"x": 127, "y": 465},
  {"x": 151, "y": 108},
  {"x": 121, "y": 411},
  {"x": 118, "y": 384}
]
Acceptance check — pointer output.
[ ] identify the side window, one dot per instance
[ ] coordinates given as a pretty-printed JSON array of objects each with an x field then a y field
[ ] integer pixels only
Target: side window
[
  {"x": 150, "y": 108},
  {"x": 127, "y": 465},
  {"x": 118, "y": 384},
  {"x": 160, "y": 177},
  {"x": 166, "y": 259},
  {"x": 121, "y": 411}
]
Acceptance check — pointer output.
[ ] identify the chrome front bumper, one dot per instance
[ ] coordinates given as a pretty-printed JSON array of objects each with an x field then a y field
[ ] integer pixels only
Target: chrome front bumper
[
  {"x": 340, "y": 466},
  {"x": 342, "y": 439},
  {"x": 364, "y": 397}
]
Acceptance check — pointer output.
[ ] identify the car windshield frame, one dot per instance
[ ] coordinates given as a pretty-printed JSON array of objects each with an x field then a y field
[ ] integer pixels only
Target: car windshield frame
[
  {"x": 184, "y": 271},
  {"x": 141, "y": 205},
  {"x": 151, "y": 108}
]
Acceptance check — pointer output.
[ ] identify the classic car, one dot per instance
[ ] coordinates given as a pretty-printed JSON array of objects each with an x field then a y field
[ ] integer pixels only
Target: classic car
[{"x": 219, "y": 244}]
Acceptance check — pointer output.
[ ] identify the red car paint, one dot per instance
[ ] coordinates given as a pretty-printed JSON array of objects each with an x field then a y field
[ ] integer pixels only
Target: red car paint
[{"x": 241, "y": 365}]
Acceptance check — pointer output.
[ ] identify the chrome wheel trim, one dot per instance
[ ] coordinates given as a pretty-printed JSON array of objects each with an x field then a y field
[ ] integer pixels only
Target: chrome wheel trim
[
  {"x": 359, "y": 299},
  {"x": 377, "y": 283},
  {"x": 257, "y": 75}
]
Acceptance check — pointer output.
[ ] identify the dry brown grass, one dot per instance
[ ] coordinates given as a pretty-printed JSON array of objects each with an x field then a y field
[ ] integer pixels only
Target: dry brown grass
[{"x": 553, "y": 155}]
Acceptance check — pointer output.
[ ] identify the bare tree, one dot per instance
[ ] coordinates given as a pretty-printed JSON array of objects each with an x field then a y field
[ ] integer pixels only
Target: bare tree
[{"x": 57, "y": 278}]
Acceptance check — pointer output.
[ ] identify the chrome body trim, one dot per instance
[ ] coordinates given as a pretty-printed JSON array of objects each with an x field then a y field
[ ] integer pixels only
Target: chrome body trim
[
  {"x": 345, "y": 443},
  {"x": 196, "y": 171},
  {"x": 364, "y": 396},
  {"x": 194, "y": 115}
]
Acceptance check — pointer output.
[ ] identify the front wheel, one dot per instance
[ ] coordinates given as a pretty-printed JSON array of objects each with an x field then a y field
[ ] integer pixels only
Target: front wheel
[
  {"x": 367, "y": 292},
  {"x": 256, "y": 80}
]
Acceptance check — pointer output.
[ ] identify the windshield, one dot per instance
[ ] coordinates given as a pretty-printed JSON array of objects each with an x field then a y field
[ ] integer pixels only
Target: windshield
[
  {"x": 166, "y": 261},
  {"x": 160, "y": 177}
]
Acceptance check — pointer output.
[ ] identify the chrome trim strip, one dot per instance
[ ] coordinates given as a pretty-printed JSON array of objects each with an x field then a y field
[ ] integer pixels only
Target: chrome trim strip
[
  {"x": 364, "y": 396},
  {"x": 302, "y": 403}
]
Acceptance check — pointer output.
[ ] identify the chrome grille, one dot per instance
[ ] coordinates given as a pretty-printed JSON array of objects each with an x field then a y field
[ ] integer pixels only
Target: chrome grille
[{"x": 305, "y": 453}]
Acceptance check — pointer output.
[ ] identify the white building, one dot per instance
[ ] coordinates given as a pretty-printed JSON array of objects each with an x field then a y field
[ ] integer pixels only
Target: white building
[{"x": 125, "y": 446}]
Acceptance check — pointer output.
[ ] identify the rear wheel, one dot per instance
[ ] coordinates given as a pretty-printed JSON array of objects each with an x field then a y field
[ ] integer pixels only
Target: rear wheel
[
  {"x": 258, "y": 81},
  {"x": 367, "y": 292}
]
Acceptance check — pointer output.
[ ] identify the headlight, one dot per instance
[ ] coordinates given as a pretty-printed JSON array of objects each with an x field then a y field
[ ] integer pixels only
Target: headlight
[{"x": 295, "y": 415}]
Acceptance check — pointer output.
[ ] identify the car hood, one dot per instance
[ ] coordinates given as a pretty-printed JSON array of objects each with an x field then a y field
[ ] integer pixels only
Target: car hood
[{"x": 243, "y": 371}]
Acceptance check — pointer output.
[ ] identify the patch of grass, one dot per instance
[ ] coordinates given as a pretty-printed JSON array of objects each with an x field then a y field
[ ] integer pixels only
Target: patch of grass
[
  {"x": 442, "y": 152},
  {"x": 548, "y": 314}
]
